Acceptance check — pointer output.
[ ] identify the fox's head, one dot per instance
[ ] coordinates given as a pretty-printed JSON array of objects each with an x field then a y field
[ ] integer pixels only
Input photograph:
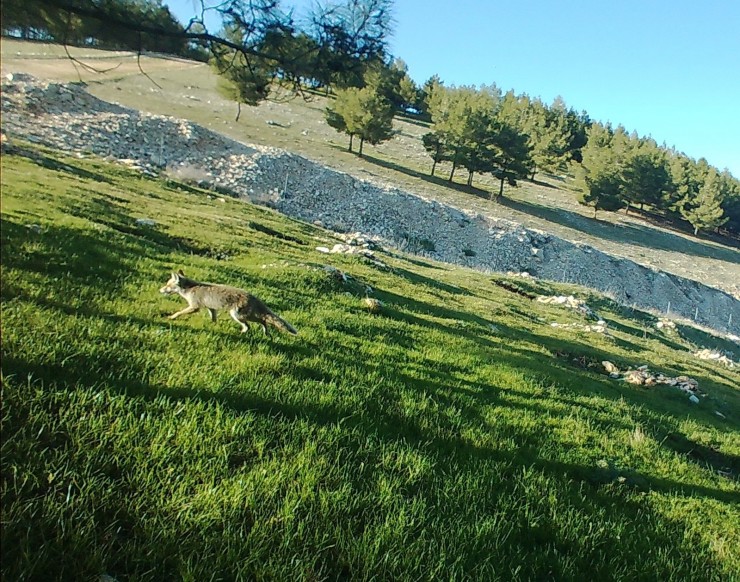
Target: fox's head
[{"x": 173, "y": 285}]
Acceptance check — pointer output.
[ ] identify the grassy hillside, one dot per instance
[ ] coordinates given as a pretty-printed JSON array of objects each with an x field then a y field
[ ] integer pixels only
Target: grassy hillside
[
  {"x": 456, "y": 434},
  {"x": 188, "y": 90}
]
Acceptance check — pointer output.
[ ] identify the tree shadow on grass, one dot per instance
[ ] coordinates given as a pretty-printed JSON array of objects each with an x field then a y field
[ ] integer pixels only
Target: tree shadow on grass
[
  {"x": 597, "y": 492},
  {"x": 71, "y": 253},
  {"x": 636, "y": 234},
  {"x": 593, "y": 491},
  {"x": 420, "y": 175},
  {"x": 494, "y": 337},
  {"x": 38, "y": 157},
  {"x": 419, "y": 279},
  {"x": 66, "y": 253}
]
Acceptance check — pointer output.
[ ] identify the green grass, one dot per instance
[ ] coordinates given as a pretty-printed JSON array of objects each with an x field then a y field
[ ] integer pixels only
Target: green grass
[
  {"x": 188, "y": 90},
  {"x": 416, "y": 444}
]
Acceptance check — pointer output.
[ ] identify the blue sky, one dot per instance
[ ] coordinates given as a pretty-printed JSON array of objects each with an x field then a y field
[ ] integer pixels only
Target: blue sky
[{"x": 665, "y": 68}]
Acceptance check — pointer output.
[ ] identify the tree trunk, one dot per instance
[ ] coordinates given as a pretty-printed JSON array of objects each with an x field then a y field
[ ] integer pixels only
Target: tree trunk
[
  {"x": 470, "y": 178},
  {"x": 534, "y": 171},
  {"x": 595, "y": 209},
  {"x": 454, "y": 167},
  {"x": 436, "y": 159},
  {"x": 351, "y": 136},
  {"x": 362, "y": 140},
  {"x": 238, "y": 111},
  {"x": 696, "y": 231},
  {"x": 501, "y": 188}
]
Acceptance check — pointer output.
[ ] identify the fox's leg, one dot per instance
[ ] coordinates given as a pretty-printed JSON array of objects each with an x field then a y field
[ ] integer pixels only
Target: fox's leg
[
  {"x": 235, "y": 316},
  {"x": 264, "y": 329},
  {"x": 189, "y": 309},
  {"x": 213, "y": 313}
]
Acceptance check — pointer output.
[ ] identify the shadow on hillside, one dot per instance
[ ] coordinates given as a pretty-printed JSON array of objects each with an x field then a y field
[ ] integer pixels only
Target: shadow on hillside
[
  {"x": 426, "y": 177},
  {"x": 419, "y": 279},
  {"x": 70, "y": 253},
  {"x": 38, "y": 157},
  {"x": 494, "y": 338},
  {"x": 637, "y": 234},
  {"x": 596, "y": 491}
]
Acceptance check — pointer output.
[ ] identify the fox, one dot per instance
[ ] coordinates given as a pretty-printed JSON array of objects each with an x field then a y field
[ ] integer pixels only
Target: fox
[{"x": 242, "y": 305}]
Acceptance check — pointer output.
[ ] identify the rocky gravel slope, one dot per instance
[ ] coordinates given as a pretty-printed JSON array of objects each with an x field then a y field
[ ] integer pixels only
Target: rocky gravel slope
[{"x": 67, "y": 117}]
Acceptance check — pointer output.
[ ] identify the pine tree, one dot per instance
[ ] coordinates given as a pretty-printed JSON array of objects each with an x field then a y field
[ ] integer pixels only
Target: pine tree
[
  {"x": 705, "y": 211},
  {"x": 646, "y": 177},
  {"x": 511, "y": 159},
  {"x": 598, "y": 177},
  {"x": 363, "y": 113},
  {"x": 436, "y": 148},
  {"x": 240, "y": 81}
]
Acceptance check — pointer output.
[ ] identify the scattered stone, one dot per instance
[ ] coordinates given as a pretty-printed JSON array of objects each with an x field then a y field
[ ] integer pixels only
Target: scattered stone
[
  {"x": 642, "y": 376},
  {"x": 666, "y": 325},
  {"x": 610, "y": 368},
  {"x": 145, "y": 222},
  {"x": 600, "y": 327},
  {"x": 522, "y": 274},
  {"x": 336, "y": 274},
  {"x": 634, "y": 377},
  {"x": 715, "y": 356},
  {"x": 35, "y": 228},
  {"x": 66, "y": 117},
  {"x": 358, "y": 239},
  {"x": 571, "y": 303}
]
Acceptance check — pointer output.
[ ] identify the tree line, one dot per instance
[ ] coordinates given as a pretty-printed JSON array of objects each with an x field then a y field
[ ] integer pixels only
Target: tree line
[
  {"x": 621, "y": 170},
  {"x": 51, "y": 21},
  {"x": 512, "y": 137}
]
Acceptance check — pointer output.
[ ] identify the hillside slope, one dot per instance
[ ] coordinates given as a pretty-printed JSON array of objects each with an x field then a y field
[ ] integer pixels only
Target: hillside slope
[
  {"x": 67, "y": 117},
  {"x": 455, "y": 434},
  {"x": 189, "y": 92}
]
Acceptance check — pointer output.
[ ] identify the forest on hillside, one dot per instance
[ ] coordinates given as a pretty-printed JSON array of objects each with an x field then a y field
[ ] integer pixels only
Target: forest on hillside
[{"x": 342, "y": 49}]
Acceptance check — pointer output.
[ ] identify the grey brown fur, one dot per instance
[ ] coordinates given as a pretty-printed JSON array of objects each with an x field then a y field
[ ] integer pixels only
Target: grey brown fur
[{"x": 243, "y": 306}]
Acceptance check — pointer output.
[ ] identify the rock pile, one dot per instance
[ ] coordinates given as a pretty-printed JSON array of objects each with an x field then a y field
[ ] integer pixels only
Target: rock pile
[
  {"x": 571, "y": 303},
  {"x": 715, "y": 356},
  {"x": 642, "y": 376},
  {"x": 65, "y": 116}
]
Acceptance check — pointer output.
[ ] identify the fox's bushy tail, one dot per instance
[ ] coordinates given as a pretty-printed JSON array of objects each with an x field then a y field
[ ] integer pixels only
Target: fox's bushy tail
[{"x": 279, "y": 323}]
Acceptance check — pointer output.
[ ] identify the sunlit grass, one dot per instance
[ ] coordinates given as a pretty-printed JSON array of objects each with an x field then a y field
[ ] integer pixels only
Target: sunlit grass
[{"x": 453, "y": 435}]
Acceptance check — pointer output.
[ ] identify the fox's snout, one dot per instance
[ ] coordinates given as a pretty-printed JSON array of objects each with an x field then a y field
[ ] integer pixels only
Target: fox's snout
[{"x": 168, "y": 289}]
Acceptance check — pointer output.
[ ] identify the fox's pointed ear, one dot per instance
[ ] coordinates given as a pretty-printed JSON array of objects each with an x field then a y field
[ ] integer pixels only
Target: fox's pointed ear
[{"x": 181, "y": 273}]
